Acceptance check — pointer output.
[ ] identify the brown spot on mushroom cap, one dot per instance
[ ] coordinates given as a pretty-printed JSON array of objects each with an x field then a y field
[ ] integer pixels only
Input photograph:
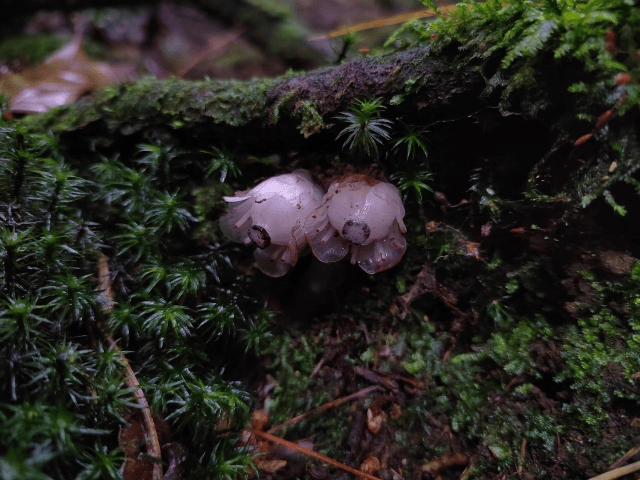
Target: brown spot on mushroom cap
[
  {"x": 259, "y": 236},
  {"x": 355, "y": 232}
]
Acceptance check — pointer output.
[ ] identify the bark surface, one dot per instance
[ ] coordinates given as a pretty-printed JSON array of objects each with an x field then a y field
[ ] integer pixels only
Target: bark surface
[{"x": 263, "y": 113}]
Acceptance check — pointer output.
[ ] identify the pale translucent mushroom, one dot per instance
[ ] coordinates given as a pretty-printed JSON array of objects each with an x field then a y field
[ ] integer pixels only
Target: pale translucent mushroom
[
  {"x": 270, "y": 217},
  {"x": 362, "y": 215}
]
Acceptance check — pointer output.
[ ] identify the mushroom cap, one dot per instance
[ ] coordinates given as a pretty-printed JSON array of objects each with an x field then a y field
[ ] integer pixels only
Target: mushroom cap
[
  {"x": 372, "y": 208},
  {"x": 381, "y": 254},
  {"x": 275, "y": 205},
  {"x": 289, "y": 186},
  {"x": 270, "y": 216},
  {"x": 277, "y": 216},
  {"x": 361, "y": 215}
]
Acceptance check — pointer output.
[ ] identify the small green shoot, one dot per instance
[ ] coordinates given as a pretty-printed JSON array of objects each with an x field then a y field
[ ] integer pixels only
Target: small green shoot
[
  {"x": 411, "y": 144},
  {"x": 342, "y": 49},
  {"x": 221, "y": 162},
  {"x": 415, "y": 182},
  {"x": 365, "y": 129}
]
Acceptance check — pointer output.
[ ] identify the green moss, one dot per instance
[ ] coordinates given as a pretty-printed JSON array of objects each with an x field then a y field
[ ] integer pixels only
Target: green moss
[
  {"x": 423, "y": 351},
  {"x": 601, "y": 351},
  {"x": 510, "y": 349},
  {"x": 521, "y": 46},
  {"x": 148, "y": 102},
  {"x": 396, "y": 100},
  {"x": 502, "y": 357},
  {"x": 66, "y": 393},
  {"x": 275, "y": 112},
  {"x": 311, "y": 120},
  {"x": 33, "y": 49},
  {"x": 294, "y": 355}
]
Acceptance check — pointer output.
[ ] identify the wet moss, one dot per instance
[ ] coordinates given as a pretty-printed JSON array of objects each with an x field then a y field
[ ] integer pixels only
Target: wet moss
[
  {"x": 311, "y": 120},
  {"x": 127, "y": 109}
]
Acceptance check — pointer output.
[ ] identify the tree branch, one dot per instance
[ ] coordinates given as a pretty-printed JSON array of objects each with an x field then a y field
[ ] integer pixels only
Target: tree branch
[{"x": 261, "y": 113}]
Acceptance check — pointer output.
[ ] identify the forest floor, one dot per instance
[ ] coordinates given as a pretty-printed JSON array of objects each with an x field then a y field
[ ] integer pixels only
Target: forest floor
[{"x": 503, "y": 345}]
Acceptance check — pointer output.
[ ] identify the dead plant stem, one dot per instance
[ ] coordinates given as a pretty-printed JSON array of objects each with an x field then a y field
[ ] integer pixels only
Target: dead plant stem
[
  {"x": 327, "y": 406},
  {"x": 108, "y": 301},
  {"x": 311, "y": 453}
]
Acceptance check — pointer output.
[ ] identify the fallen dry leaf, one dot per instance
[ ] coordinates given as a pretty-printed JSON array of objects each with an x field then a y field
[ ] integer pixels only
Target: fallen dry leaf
[
  {"x": 375, "y": 420},
  {"x": 131, "y": 438},
  {"x": 259, "y": 419},
  {"x": 175, "y": 455},
  {"x": 62, "y": 78},
  {"x": 269, "y": 466},
  {"x": 370, "y": 465},
  {"x": 444, "y": 461}
]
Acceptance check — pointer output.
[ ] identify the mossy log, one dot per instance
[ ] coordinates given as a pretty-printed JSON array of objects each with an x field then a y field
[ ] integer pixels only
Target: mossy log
[
  {"x": 297, "y": 112},
  {"x": 263, "y": 113}
]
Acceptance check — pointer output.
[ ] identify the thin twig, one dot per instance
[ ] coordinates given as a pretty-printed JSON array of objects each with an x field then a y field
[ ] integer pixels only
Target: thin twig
[
  {"x": 326, "y": 406},
  {"x": 625, "y": 457},
  {"x": 367, "y": 337},
  {"x": 523, "y": 452},
  {"x": 373, "y": 377},
  {"x": 618, "y": 472},
  {"x": 153, "y": 444},
  {"x": 447, "y": 460},
  {"x": 108, "y": 301},
  {"x": 106, "y": 297},
  {"x": 383, "y": 22},
  {"x": 311, "y": 453},
  {"x": 213, "y": 45},
  {"x": 317, "y": 368}
]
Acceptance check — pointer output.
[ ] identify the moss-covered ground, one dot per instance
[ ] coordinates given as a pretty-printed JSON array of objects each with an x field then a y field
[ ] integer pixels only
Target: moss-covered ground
[{"x": 505, "y": 344}]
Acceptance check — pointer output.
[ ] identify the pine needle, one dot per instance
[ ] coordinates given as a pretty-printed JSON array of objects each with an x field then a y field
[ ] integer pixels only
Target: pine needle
[
  {"x": 384, "y": 22},
  {"x": 108, "y": 301},
  {"x": 311, "y": 453},
  {"x": 327, "y": 406}
]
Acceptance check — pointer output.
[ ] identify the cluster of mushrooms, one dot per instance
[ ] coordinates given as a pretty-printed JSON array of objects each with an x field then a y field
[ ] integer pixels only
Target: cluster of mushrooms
[{"x": 283, "y": 214}]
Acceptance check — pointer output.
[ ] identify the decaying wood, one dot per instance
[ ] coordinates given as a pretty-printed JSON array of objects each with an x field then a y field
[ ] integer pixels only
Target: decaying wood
[{"x": 260, "y": 114}]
